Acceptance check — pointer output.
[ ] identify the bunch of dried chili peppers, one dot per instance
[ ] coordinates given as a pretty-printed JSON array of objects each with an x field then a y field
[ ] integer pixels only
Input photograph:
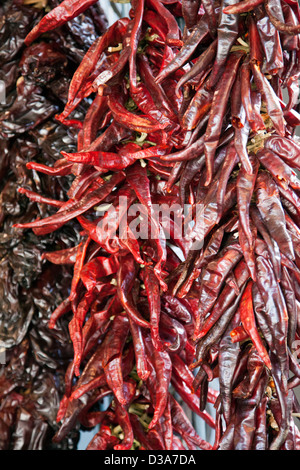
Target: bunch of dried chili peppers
[
  {"x": 34, "y": 358},
  {"x": 193, "y": 116}
]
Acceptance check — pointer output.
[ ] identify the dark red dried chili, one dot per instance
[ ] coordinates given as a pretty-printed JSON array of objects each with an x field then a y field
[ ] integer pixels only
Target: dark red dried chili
[{"x": 192, "y": 117}]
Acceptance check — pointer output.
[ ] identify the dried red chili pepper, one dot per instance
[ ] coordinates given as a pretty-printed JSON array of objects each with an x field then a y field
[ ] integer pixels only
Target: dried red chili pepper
[
  {"x": 225, "y": 298},
  {"x": 245, "y": 189},
  {"x": 125, "y": 279},
  {"x": 270, "y": 98},
  {"x": 198, "y": 33},
  {"x": 199, "y": 106},
  {"x": 202, "y": 109},
  {"x": 279, "y": 25},
  {"x": 217, "y": 112},
  {"x": 243, "y": 6},
  {"x": 227, "y": 33},
  {"x": 269, "y": 206},
  {"x": 248, "y": 322},
  {"x": 286, "y": 148},
  {"x": 212, "y": 280}
]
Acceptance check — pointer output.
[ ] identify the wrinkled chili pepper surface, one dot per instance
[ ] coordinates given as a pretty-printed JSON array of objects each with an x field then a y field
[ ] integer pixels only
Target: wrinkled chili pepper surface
[{"x": 194, "y": 116}]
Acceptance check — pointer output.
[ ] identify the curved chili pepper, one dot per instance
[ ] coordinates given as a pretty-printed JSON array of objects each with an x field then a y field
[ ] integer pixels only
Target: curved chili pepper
[
  {"x": 157, "y": 92},
  {"x": 103, "y": 440},
  {"x": 198, "y": 33},
  {"x": 229, "y": 163},
  {"x": 249, "y": 249},
  {"x": 167, "y": 427},
  {"x": 286, "y": 148},
  {"x": 79, "y": 262},
  {"x": 245, "y": 417},
  {"x": 138, "y": 9},
  {"x": 153, "y": 294},
  {"x": 138, "y": 180},
  {"x": 190, "y": 10},
  {"x": 192, "y": 167},
  {"x": 78, "y": 208},
  {"x": 260, "y": 437},
  {"x": 228, "y": 358},
  {"x": 103, "y": 160},
  {"x": 65, "y": 256},
  {"x": 191, "y": 400},
  {"x": 278, "y": 168},
  {"x": 246, "y": 98},
  {"x": 248, "y": 322},
  {"x": 127, "y": 119},
  {"x": 237, "y": 110},
  {"x": 212, "y": 248},
  {"x": 270, "y": 40},
  {"x": 280, "y": 380},
  {"x": 198, "y": 107},
  {"x": 212, "y": 280},
  {"x": 40, "y": 199},
  {"x": 290, "y": 299},
  {"x": 86, "y": 67},
  {"x": 271, "y": 244},
  {"x": 245, "y": 189},
  {"x": 202, "y": 64},
  {"x": 95, "y": 326},
  {"x": 140, "y": 352},
  {"x": 182, "y": 425},
  {"x": 175, "y": 332},
  {"x": 145, "y": 102},
  {"x": 94, "y": 114},
  {"x": 279, "y": 25},
  {"x": 270, "y": 208},
  {"x": 123, "y": 419},
  {"x": 256, "y": 49},
  {"x": 255, "y": 370},
  {"x": 212, "y": 14},
  {"x": 62, "y": 170},
  {"x": 276, "y": 313},
  {"x": 163, "y": 368},
  {"x": 125, "y": 279},
  {"x": 173, "y": 35},
  {"x": 177, "y": 308},
  {"x": 289, "y": 42},
  {"x": 215, "y": 332},
  {"x": 114, "y": 379},
  {"x": 227, "y": 32},
  {"x": 242, "y": 7},
  {"x": 273, "y": 106},
  {"x": 188, "y": 153},
  {"x": 225, "y": 298},
  {"x": 63, "y": 308}
]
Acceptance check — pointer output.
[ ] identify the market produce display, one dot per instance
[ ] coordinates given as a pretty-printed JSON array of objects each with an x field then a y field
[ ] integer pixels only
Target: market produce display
[
  {"x": 181, "y": 105},
  {"x": 34, "y": 358}
]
